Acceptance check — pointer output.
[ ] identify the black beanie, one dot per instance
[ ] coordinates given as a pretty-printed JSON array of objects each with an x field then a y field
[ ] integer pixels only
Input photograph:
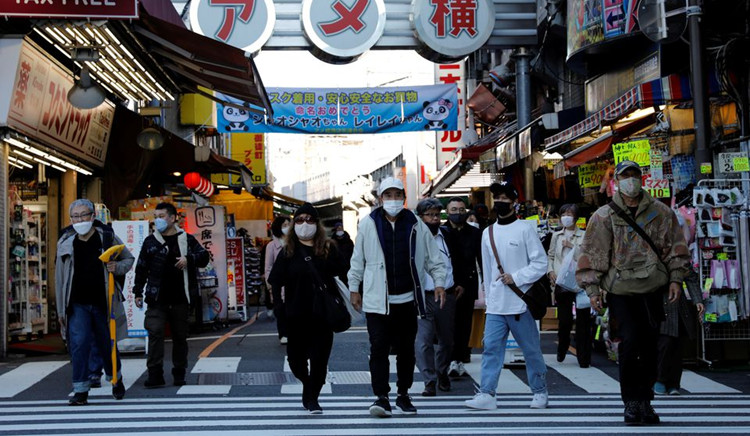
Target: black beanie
[{"x": 308, "y": 209}]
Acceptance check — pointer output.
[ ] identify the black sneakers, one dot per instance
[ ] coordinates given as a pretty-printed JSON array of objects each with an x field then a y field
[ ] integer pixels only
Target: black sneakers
[
  {"x": 444, "y": 383},
  {"x": 649, "y": 416},
  {"x": 640, "y": 412},
  {"x": 178, "y": 376},
  {"x": 154, "y": 382},
  {"x": 429, "y": 389},
  {"x": 381, "y": 408},
  {"x": 118, "y": 390},
  {"x": 403, "y": 402},
  {"x": 79, "y": 399},
  {"x": 313, "y": 407}
]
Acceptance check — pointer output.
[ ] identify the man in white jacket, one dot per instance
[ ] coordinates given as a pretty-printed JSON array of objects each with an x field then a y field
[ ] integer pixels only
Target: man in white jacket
[
  {"x": 393, "y": 293},
  {"x": 524, "y": 261}
]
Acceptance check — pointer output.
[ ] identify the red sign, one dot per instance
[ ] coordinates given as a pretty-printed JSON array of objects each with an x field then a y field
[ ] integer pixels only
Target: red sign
[
  {"x": 234, "y": 255},
  {"x": 110, "y": 9}
]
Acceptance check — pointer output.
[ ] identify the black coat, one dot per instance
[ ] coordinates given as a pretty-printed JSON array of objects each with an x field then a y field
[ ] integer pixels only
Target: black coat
[{"x": 465, "y": 246}]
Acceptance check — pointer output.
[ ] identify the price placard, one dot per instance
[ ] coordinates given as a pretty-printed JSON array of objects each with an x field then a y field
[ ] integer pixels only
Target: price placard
[
  {"x": 638, "y": 151},
  {"x": 741, "y": 164},
  {"x": 658, "y": 188},
  {"x": 733, "y": 162},
  {"x": 707, "y": 168},
  {"x": 591, "y": 175}
]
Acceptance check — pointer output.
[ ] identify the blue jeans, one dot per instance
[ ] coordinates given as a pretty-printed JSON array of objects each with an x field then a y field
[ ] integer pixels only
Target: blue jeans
[
  {"x": 526, "y": 333},
  {"x": 87, "y": 325}
]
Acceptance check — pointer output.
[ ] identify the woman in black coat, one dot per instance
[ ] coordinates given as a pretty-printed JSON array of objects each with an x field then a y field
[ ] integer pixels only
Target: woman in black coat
[{"x": 310, "y": 338}]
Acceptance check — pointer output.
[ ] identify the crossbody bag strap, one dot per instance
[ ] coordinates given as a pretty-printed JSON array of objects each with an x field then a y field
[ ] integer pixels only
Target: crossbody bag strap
[
  {"x": 634, "y": 225},
  {"x": 316, "y": 276},
  {"x": 513, "y": 286}
]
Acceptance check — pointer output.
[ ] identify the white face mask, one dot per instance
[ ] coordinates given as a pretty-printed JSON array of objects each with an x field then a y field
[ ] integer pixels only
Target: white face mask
[
  {"x": 83, "y": 227},
  {"x": 305, "y": 231},
  {"x": 630, "y": 187},
  {"x": 473, "y": 224},
  {"x": 285, "y": 230},
  {"x": 566, "y": 221},
  {"x": 340, "y": 233},
  {"x": 393, "y": 207}
]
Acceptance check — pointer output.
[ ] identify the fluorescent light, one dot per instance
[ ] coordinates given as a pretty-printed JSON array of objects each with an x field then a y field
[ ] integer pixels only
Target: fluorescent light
[
  {"x": 15, "y": 165},
  {"x": 62, "y": 170},
  {"x": 19, "y": 162},
  {"x": 16, "y": 142},
  {"x": 42, "y": 162},
  {"x": 22, "y": 154}
]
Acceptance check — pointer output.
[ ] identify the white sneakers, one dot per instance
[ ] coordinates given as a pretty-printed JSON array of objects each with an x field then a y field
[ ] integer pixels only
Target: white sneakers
[
  {"x": 540, "y": 401},
  {"x": 482, "y": 401},
  {"x": 456, "y": 369},
  {"x": 283, "y": 340}
]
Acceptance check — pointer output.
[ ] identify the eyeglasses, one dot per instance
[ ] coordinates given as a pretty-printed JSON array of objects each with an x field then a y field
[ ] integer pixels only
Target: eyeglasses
[
  {"x": 309, "y": 220},
  {"x": 83, "y": 216}
]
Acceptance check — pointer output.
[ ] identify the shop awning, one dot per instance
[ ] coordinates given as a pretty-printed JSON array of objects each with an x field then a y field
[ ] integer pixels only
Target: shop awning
[{"x": 673, "y": 88}]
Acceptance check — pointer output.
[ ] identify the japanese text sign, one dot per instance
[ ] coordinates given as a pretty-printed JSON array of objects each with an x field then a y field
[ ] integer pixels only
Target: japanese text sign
[
  {"x": 450, "y": 141},
  {"x": 250, "y": 149},
  {"x": 733, "y": 162},
  {"x": 108, "y": 9},
  {"x": 245, "y": 24},
  {"x": 453, "y": 28},
  {"x": 638, "y": 151},
  {"x": 237, "y": 279},
  {"x": 349, "y": 110},
  {"x": 207, "y": 225},
  {"x": 658, "y": 188},
  {"x": 591, "y": 175},
  {"x": 132, "y": 234}
]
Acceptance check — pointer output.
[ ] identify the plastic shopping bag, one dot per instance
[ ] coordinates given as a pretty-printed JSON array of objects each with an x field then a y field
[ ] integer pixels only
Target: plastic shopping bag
[{"x": 566, "y": 277}]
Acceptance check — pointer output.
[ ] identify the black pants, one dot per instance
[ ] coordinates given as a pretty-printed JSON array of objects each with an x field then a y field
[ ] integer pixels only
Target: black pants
[
  {"x": 398, "y": 329},
  {"x": 309, "y": 340},
  {"x": 637, "y": 321},
  {"x": 462, "y": 330},
  {"x": 157, "y": 317},
  {"x": 583, "y": 326},
  {"x": 279, "y": 311}
]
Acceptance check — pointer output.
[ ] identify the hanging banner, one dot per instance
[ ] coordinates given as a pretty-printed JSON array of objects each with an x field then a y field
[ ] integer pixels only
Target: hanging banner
[
  {"x": 132, "y": 234},
  {"x": 638, "y": 151},
  {"x": 348, "y": 110},
  {"x": 207, "y": 225}
]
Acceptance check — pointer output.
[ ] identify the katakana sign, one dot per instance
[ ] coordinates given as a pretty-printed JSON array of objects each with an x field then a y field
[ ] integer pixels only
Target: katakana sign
[
  {"x": 343, "y": 29},
  {"x": 450, "y": 141},
  {"x": 108, "y": 9},
  {"x": 245, "y": 24},
  {"x": 452, "y": 28},
  {"x": 349, "y": 110}
]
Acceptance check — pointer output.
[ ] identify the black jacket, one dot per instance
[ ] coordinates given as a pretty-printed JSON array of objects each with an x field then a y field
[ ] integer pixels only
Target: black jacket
[
  {"x": 465, "y": 246},
  {"x": 149, "y": 269}
]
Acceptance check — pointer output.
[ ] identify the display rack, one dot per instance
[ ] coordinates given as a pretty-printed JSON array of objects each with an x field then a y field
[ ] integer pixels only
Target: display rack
[{"x": 724, "y": 246}]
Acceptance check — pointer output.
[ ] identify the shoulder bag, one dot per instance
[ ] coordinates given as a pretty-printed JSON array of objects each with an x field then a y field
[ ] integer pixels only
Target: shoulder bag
[
  {"x": 327, "y": 306},
  {"x": 536, "y": 298}
]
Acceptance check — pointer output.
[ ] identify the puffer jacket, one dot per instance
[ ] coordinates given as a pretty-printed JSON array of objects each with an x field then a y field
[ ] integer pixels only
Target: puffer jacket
[
  {"x": 64, "y": 265},
  {"x": 153, "y": 260},
  {"x": 612, "y": 253}
]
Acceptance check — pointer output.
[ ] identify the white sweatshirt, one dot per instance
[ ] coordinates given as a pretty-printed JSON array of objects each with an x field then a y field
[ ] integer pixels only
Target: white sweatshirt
[{"x": 521, "y": 255}]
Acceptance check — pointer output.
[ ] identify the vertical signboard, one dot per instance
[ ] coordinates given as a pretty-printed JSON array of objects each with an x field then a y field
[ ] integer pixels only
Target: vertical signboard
[
  {"x": 132, "y": 234},
  {"x": 235, "y": 268},
  {"x": 250, "y": 149},
  {"x": 206, "y": 223},
  {"x": 450, "y": 141}
]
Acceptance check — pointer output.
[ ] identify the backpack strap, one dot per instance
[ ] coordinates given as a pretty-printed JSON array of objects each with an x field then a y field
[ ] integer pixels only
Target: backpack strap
[{"x": 634, "y": 225}]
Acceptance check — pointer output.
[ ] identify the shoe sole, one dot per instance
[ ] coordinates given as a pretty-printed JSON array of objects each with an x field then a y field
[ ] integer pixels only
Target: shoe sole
[
  {"x": 429, "y": 394},
  {"x": 315, "y": 412},
  {"x": 155, "y": 386},
  {"x": 480, "y": 408},
  {"x": 379, "y": 412},
  {"x": 538, "y": 406},
  {"x": 404, "y": 412}
]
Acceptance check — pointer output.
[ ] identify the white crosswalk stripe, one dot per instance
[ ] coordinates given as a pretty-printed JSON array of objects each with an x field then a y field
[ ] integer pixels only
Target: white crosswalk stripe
[
  {"x": 25, "y": 376},
  {"x": 209, "y": 415}
]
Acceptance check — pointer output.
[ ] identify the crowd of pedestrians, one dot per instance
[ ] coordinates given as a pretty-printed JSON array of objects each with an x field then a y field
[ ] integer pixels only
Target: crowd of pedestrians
[{"x": 418, "y": 281}]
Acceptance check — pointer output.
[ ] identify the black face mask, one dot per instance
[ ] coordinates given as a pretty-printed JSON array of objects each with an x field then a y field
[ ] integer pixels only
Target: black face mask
[
  {"x": 434, "y": 228},
  {"x": 502, "y": 208},
  {"x": 457, "y": 218}
]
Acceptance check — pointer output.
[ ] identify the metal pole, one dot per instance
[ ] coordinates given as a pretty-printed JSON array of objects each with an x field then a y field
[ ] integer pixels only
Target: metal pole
[
  {"x": 523, "y": 111},
  {"x": 5, "y": 213},
  {"x": 698, "y": 81}
]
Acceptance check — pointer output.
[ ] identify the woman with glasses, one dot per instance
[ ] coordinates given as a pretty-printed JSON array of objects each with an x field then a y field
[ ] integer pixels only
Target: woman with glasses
[{"x": 307, "y": 263}]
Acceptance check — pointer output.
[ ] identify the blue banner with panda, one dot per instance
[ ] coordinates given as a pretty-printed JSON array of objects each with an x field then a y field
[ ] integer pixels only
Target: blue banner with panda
[{"x": 348, "y": 110}]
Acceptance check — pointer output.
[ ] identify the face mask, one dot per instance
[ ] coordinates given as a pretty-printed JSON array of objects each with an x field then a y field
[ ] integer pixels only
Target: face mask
[
  {"x": 160, "y": 224},
  {"x": 433, "y": 228},
  {"x": 473, "y": 224},
  {"x": 566, "y": 221},
  {"x": 393, "y": 207},
  {"x": 83, "y": 227},
  {"x": 630, "y": 187},
  {"x": 305, "y": 231},
  {"x": 502, "y": 208},
  {"x": 340, "y": 233},
  {"x": 457, "y": 218},
  {"x": 285, "y": 230}
]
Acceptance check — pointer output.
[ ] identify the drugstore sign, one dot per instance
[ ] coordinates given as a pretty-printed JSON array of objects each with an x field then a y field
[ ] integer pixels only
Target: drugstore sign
[{"x": 109, "y": 9}]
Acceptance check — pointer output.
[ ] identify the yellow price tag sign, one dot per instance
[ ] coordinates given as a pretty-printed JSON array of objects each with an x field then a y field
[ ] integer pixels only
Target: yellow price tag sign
[
  {"x": 741, "y": 164},
  {"x": 706, "y": 168},
  {"x": 708, "y": 284},
  {"x": 638, "y": 151},
  {"x": 722, "y": 256},
  {"x": 581, "y": 223},
  {"x": 711, "y": 317}
]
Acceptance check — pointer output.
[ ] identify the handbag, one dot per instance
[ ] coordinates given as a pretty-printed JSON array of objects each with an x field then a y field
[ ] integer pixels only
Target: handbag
[
  {"x": 537, "y": 298},
  {"x": 327, "y": 306}
]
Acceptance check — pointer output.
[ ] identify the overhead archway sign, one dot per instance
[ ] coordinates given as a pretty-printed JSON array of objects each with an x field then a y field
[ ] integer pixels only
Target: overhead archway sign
[{"x": 245, "y": 24}]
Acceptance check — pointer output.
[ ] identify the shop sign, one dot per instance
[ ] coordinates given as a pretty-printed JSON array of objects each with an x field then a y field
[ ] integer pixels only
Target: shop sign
[
  {"x": 638, "y": 151},
  {"x": 591, "y": 21},
  {"x": 591, "y": 175},
  {"x": 451, "y": 140},
  {"x": 707, "y": 168},
  {"x": 657, "y": 164},
  {"x": 250, "y": 149},
  {"x": 452, "y": 28},
  {"x": 84, "y": 9},
  {"x": 235, "y": 272},
  {"x": 206, "y": 223},
  {"x": 342, "y": 29},
  {"x": 340, "y": 111},
  {"x": 658, "y": 188},
  {"x": 132, "y": 234},
  {"x": 39, "y": 107},
  {"x": 524, "y": 143},
  {"x": 733, "y": 162},
  {"x": 245, "y": 24}
]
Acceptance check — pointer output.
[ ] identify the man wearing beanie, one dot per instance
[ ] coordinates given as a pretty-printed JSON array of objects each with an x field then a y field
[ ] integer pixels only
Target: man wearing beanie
[{"x": 393, "y": 252}]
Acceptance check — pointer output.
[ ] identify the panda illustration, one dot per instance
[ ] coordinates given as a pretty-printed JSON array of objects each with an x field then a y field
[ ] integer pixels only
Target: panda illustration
[
  {"x": 236, "y": 118},
  {"x": 435, "y": 112}
]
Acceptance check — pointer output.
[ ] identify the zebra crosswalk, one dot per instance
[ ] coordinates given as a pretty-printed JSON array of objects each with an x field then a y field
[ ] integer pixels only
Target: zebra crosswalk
[{"x": 348, "y": 415}]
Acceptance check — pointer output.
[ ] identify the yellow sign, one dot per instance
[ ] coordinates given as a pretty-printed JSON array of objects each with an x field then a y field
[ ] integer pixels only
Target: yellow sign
[
  {"x": 533, "y": 218},
  {"x": 706, "y": 168},
  {"x": 591, "y": 175},
  {"x": 741, "y": 164},
  {"x": 581, "y": 223},
  {"x": 638, "y": 151},
  {"x": 249, "y": 149},
  {"x": 722, "y": 256}
]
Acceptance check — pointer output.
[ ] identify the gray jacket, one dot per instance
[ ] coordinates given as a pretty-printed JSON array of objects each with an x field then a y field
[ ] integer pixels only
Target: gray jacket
[
  {"x": 680, "y": 311},
  {"x": 64, "y": 274}
]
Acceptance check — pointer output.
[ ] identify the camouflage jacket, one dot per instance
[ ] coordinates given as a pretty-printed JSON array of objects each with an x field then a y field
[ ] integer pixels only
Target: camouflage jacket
[{"x": 615, "y": 258}]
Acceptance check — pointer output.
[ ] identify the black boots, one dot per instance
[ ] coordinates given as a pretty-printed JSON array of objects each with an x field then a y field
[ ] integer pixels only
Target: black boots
[
  {"x": 155, "y": 379},
  {"x": 178, "y": 375},
  {"x": 640, "y": 412}
]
